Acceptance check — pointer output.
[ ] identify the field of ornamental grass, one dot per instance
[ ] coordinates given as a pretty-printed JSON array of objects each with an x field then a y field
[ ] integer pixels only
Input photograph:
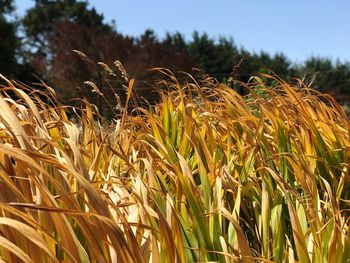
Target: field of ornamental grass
[{"x": 204, "y": 176}]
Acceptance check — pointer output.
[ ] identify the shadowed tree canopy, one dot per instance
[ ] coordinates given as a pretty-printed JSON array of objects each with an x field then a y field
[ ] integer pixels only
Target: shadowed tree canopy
[
  {"x": 6, "y": 6},
  {"x": 39, "y": 20},
  {"x": 204, "y": 51},
  {"x": 333, "y": 78},
  {"x": 8, "y": 39}
]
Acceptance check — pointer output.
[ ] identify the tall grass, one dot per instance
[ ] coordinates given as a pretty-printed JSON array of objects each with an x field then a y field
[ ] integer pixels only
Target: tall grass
[{"x": 205, "y": 175}]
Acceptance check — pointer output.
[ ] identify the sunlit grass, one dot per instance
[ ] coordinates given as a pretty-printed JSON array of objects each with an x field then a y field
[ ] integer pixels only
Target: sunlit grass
[{"x": 205, "y": 175}]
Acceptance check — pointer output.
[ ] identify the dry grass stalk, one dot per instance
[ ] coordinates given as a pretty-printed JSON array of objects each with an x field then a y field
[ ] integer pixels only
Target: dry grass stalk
[{"x": 204, "y": 176}]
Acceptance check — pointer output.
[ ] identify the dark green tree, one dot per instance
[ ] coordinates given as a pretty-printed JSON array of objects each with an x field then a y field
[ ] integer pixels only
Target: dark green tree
[
  {"x": 9, "y": 41},
  {"x": 277, "y": 64},
  {"x": 322, "y": 74},
  {"x": 40, "y": 20},
  {"x": 176, "y": 52},
  {"x": 6, "y": 6},
  {"x": 281, "y": 66},
  {"x": 227, "y": 55},
  {"x": 317, "y": 71},
  {"x": 176, "y": 41},
  {"x": 203, "y": 51}
]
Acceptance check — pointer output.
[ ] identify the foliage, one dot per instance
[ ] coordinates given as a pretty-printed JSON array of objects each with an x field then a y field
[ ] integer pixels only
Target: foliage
[
  {"x": 9, "y": 41},
  {"x": 202, "y": 176},
  {"x": 324, "y": 74},
  {"x": 39, "y": 20},
  {"x": 52, "y": 29},
  {"x": 6, "y": 6}
]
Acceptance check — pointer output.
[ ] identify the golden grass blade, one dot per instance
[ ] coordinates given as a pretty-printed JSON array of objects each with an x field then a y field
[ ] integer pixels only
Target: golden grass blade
[
  {"x": 243, "y": 246},
  {"x": 203, "y": 175},
  {"x": 5, "y": 243},
  {"x": 30, "y": 233}
]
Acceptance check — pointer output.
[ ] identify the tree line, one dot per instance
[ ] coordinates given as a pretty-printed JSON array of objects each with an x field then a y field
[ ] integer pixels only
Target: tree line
[{"x": 41, "y": 44}]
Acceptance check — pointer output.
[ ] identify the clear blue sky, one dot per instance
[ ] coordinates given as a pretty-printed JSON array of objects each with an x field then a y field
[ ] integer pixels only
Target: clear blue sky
[{"x": 298, "y": 28}]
